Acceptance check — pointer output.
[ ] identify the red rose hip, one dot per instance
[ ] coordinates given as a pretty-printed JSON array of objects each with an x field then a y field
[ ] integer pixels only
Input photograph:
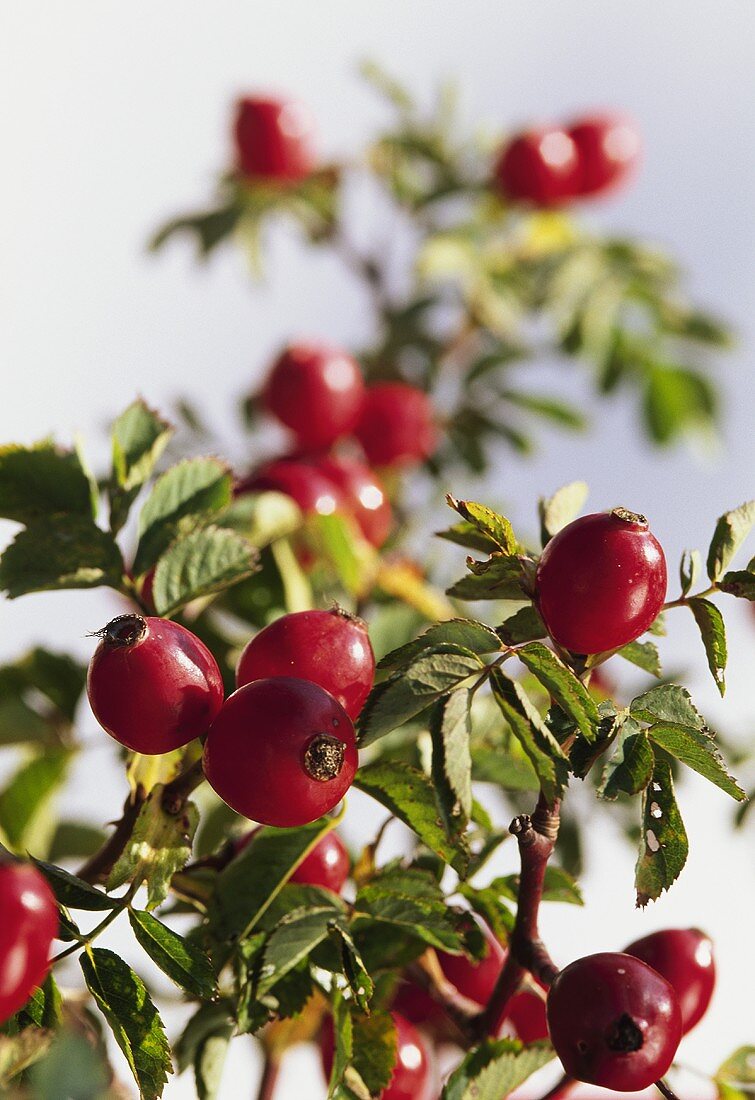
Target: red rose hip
[
  {"x": 326, "y": 866},
  {"x": 684, "y": 956},
  {"x": 28, "y": 926},
  {"x": 363, "y": 495},
  {"x": 274, "y": 139},
  {"x": 316, "y": 391},
  {"x": 282, "y": 751},
  {"x": 539, "y": 166},
  {"x": 314, "y": 493},
  {"x": 152, "y": 684},
  {"x": 329, "y": 648},
  {"x": 397, "y": 425},
  {"x": 614, "y": 1022},
  {"x": 608, "y": 151},
  {"x": 413, "y": 1077},
  {"x": 601, "y": 581}
]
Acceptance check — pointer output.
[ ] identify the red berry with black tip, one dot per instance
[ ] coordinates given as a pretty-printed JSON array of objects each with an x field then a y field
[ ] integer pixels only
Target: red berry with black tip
[
  {"x": 539, "y": 166},
  {"x": 314, "y": 493},
  {"x": 397, "y": 425},
  {"x": 28, "y": 926},
  {"x": 282, "y": 751},
  {"x": 363, "y": 495},
  {"x": 614, "y": 1021},
  {"x": 601, "y": 581},
  {"x": 329, "y": 648},
  {"x": 684, "y": 956},
  {"x": 317, "y": 392},
  {"x": 608, "y": 151},
  {"x": 274, "y": 139},
  {"x": 152, "y": 684},
  {"x": 413, "y": 1077}
]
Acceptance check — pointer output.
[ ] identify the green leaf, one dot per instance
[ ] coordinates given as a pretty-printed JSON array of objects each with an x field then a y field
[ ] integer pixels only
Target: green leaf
[
  {"x": 181, "y": 501},
  {"x": 134, "y": 1021},
  {"x": 19, "y": 1051},
  {"x": 44, "y": 1007},
  {"x": 374, "y": 1050},
  {"x": 644, "y": 655},
  {"x": 355, "y": 972},
  {"x": 663, "y": 844},
  {"x": 293, "y": 940},
  {"x": 180, "y": 959},
  {"x": 469, "y": 536},
  {"x": 550, "y": 408},
  {"x": 75, "y": 839},
  {"x": 739, "y": 582},
  {"x": 139, "y": 437},
  {"x": 60, "y": 552},
  {"x": 450, "y": 728},
  {"x": 208, "y": 1020},
  {"x": 73, "y": 892},
  {"x": 210, "y": 228},
  {"x": 736, "y": 1077},
  {"x": 489, "y": 523},
  {"x": 558, "y": 886},
  {"x": 42, "y": 481},
  {"x": 677, "y": 400},
  {"x": 495, "y": 1068},
  {"x": 698, "y": 750},
  {"x": 200, "y": 564},
  {"x": 731, "y": 531},
  {"x": 262, "y": 518},
  {"x": 408, "y": 692},
  {"x": 524, "y": 626},
  {"x": 418, "y": 918},
  {"x": 246, "y": 888},
  {"x": 25, "y": 802},
  {"x": 488, "y": 903},
  {"x": 57, "y": 676},
  {"x": 564, "y": 506},
  {"x": 667, "y": 703},
  {"x": 159, "y": 846},
  {"x": 410, "y": 795},
  {"x": 466, "y": 633},
  {"x": 569, "y": 692},
  {"x": 690, "y": 568},
  {"x": 496, "y": 765},
  {"x": 713, "y": 633},
  {"x": 502, "y": 577},
  {"x": 209, "y": 1063},
  {"x": 630, "y": 768},
  {"x": 539, "y": 744},
  {"x": 337, "y": 541}
]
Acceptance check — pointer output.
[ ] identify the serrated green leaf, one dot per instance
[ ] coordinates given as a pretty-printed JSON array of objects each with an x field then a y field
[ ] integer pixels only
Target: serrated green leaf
[
  {"x": 208, "y": 1020},
  {"x": 539, "y": 744},
  {"x": 564, "y": 506},
  {"x": 487, "y": 902},
  {"x": 408, "y": 692},
  {"x": 450, "y": 728},
  {"x": 731, "y": 531},
  {"x": 467, "y": 633},
  {"x": 735, "y": 1079},
  {"x": 200, "y": 564},
  {"x": 60, "y": 552},
  {"x": 44, "y": 1007},
  {"x": 417, "y": 917},
  {"x": 180, "y": 959},
  {"x": 489, "y": 523},
  {"x": 209, "y": 1063},
  {"x": 630, "y": 768},
  {"x": 502, "y": 577},
  {"x": 25, "y": 802},
  {"x": 469, "y": 536},
  {"x": 739, "y": 582},
  {"x": 42, "y": 481},
  {"x": 690, "y": 568},
  {"x": 140, "y": 436},
  {"x": 559, "y": 680},
  {"x": 159, "y": 846},
  {"x": 181, "y": 500},
  {"x": 73, "y": 892},
  {"x": 644, "y": 655},
  {"x": 698, "y": 750},
  {"x": 133, "y": 1019},
  {"x": 667, "y": 703},
  {"x": 410, "y": 795},
  {"x": 663, "y": 844},
  {"x": 524, "y": 626},
  {"x": 495, "y": 1068},
  {"x": 293, "y": 940},
  {"x": 210, "y": 228},
  {"x": 511, "y": 773},
  {"x": 713, "y": 633},
  {"x": 374, "y": 1050}
]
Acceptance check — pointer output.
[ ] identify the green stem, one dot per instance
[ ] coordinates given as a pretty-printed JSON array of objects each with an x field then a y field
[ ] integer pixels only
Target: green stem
[{"x": 123, "y": 904}]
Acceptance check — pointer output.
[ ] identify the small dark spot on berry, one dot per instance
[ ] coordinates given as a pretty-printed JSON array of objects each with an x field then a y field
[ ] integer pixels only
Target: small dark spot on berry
[{"x": 624, "y": 1036}]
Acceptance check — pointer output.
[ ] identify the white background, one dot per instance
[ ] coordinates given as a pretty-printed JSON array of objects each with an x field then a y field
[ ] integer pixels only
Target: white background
[{"x": 115, "y": 116}]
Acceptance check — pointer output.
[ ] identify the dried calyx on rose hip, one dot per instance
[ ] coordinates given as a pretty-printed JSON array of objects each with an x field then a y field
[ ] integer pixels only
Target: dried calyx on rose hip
[
  {"x": 329, "y": 648},
  {"x": 28, "y": 926},
  {"x": 601, "y": 581},
  {"x": 684, "y": 956},
  {"x": 152, "y": 684},
  {"x": 413, "y": 1074},
  {"x": 282, "y": 751},
  {"x": 614, "y": 1021}
]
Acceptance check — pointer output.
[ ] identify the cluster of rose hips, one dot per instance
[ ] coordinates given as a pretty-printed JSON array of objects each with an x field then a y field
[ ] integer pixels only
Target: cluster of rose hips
[{"x": 317, "y": 392}]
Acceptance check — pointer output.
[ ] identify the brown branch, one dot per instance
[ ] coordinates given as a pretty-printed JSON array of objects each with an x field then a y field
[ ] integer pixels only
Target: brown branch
[
  {"x": 428, "y": 974},
  {"x": 97, "y": 868},
  {"x": 665, "y": 1090},
  {"x": 536, "y": 837},
  {"x": 177, "y": 792},
  {"x": 269, "y": 1079}
]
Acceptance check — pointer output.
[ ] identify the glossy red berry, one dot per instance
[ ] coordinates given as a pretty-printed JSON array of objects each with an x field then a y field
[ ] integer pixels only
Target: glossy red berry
[
  {"x": 526, "y": 1014},
  {"x": 363, "y": 495},
  {"x": 152, "y": 684},
  {"x": 316, "y": 391},
  {"x": 306, "y": 485},
  {"x": 274, "y": 139},
  {"x": 614, "y": 1021},
  {"x": 413, "y": 1077},
  {"x": 282, "y": 751},
  {"x": 608, "y": 150},
  {"x": 475, "y": 980},
  {"x": 327, "y": 865},
  {"x": 601, "y": 581},
  {"x": 539, "y": 166},
  {"x": 684, "y": 957},
  {"x": 329, "y": 648},
  {"x": 397, "y": 425},
  {"x": 28, "y": 926}
]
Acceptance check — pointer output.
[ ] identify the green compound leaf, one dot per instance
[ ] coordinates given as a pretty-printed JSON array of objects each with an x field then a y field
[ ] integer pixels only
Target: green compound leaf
[
  {"x": 374, "y": 1050},
  {"x": 465, "y": 633},
  {"x": 181, "y": 500},
  {"x": 180, "y": 959},
  {"x": 698, "y": 750},
  {"x": 43, "y": 481},
  {"x": 731, "y": 531},
  {"x": 524, "y": 626},
  {"x": 667, "y": 703},
  {"x": 690, "y": 568},
  {"x": 490, "y": 524},
  {"x": 735, "y": 1079},
  {"x": 644, "y": 655},
  {"x": 740, "y": 582},
  {"x": 73, "y": 892},
  {"x": 663, "y": 844},
  {"x": 495, "y": 1068},
  {"x": 25, "y": 802},
  {"x": 60, "y": 552},
  {"x": 201, "y": 564},
  {"x": 133, "y": 1019},
  {"x": 713, "y": 633},
  {"x": 564, "y": 506},
  {"x": 527, "y": 725},
  {"x": 502, "y": 577},
  {"x": 569, "y": 692}
]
